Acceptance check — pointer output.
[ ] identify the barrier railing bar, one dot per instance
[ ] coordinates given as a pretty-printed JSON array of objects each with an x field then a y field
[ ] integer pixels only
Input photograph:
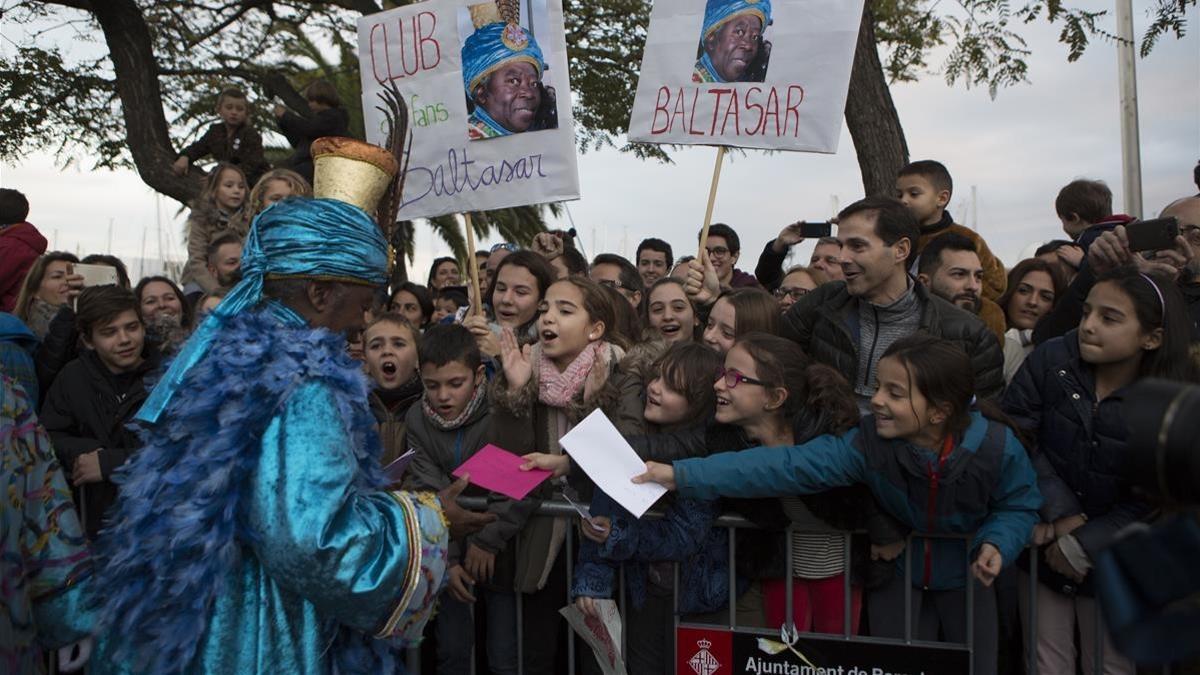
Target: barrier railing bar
[
  {"x": 970, "y": 579},
  {"x": 570, "y": 575},
  {"x": 732, "y": 579},
  {"x": 675, "y": 612},
  {"x": 733, "y": 522},
  {"x": 621, "y": 591},
  {"x": 908, "y": 588},
  {"x": 847, "y": 606},
  {"x": 520, "y": 597},
  {"x": 789, "y": 624},
  {"x": 1031, "y": 633}
]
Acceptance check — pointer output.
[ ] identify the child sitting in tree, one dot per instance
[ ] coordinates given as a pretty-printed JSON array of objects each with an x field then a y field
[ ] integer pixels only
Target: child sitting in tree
[{"x": 232, "y": 140}]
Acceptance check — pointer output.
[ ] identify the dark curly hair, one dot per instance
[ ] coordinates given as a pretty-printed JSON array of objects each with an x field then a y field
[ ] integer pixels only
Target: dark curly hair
[{"x": 819, "y": 400}]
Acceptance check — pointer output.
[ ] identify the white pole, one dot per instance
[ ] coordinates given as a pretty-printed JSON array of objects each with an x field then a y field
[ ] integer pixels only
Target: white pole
[
  {"x": 142, "y": 255},
  {"x": 1131, "y": 158},
  {"x": 974, "y": 208}
]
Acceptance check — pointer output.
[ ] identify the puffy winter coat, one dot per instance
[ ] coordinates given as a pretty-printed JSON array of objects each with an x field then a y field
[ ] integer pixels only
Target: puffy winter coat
[
  {"x": 1078, "y": 442},
  {"x": 825, "y": 324}
]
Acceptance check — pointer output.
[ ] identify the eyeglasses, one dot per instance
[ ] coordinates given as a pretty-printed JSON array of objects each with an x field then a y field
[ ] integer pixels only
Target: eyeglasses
[
  {"x": 611, "y": 284},
  {"x": 796, "y": 292},
  {"x": 735, "y": 377},
  {"x": 718, "y": 252},
  {"x": 507, "y": 246}
]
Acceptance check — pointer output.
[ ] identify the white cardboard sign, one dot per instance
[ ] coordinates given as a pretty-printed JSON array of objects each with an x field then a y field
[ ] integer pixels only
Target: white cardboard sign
[
  {"x": 715, "y": 73},
  {"x": 506, "y": 141}
]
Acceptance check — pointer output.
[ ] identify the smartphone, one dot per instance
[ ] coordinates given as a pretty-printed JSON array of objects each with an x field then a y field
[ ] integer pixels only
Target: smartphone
[
  {"x": 1152, "y": 235},
  {"x": 815, "y": 230},
  {"x": 95, "y": 275}
]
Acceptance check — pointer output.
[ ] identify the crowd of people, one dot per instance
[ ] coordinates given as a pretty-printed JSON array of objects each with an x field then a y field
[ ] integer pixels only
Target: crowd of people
[{"x": 904, "y": 380}]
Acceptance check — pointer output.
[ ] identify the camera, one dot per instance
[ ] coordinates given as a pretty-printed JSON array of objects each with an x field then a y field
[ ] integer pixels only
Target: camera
[
  {"x": 1164, "y": 449},
  {"x": 1147, "y": 579}
]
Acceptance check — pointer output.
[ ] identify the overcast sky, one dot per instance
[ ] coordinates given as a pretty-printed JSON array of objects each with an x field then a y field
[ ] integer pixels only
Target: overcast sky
[{"x": 1016, "y": 151}]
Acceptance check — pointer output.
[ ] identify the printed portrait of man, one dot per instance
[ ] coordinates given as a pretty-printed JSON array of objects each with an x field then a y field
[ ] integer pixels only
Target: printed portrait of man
[
  {"x": 502, "y": 74},
  {"x": 732, "y": 47}
]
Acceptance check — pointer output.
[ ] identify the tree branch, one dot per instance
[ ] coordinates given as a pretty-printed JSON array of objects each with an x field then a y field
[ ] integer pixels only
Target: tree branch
[
  {"x": 85, "y": 5},
  {"x": 131, "y": 50},
  {"x": 273, "y": 81}
]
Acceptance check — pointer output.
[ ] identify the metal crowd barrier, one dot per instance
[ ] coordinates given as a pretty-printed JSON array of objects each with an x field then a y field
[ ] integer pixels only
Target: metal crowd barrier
[{"x": 734, "y": 523}]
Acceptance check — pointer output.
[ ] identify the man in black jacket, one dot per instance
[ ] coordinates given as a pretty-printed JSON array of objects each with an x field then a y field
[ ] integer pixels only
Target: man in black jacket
[
  {"x": 93, "y": 397},
  {"x": 849, "y": 324}
]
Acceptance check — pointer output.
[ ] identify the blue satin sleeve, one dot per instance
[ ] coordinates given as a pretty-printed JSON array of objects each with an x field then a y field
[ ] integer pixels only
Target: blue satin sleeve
[{"x": 345, "y": 550}]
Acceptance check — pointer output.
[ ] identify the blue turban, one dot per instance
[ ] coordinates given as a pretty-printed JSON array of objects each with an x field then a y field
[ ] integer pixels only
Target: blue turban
[
  {"x": 492, "y": 46},
  {"x": 307, "y": 238},
  {"x": 717, "y": 12}
]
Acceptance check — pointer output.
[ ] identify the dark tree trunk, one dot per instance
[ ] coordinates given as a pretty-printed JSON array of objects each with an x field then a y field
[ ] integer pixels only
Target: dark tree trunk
[
  {"x": 132, "y": 52},
  {"x": 871, "y": 116}
]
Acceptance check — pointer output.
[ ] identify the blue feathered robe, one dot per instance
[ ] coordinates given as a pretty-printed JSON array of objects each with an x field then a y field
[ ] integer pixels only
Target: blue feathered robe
[{"x": 251, "y": 535}]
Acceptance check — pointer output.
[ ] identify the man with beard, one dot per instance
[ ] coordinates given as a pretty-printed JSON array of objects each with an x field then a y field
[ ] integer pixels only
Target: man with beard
[
  {"x": 950, "y": 267},
  {"x": 848, "y": 325},
  {"x": 502, "y": 74},
  {"x": 732, "y": 48},
  {"x": 225, "y": 260}
]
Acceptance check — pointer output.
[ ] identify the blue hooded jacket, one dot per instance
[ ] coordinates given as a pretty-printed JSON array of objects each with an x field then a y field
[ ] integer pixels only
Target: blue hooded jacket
[
  {"x": 985, "y": 486},
  {"x": 17, "y": 345}
]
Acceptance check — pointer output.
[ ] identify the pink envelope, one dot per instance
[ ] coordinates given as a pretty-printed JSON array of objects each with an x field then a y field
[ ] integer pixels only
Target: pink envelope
[{"x": 499, "y": 471}]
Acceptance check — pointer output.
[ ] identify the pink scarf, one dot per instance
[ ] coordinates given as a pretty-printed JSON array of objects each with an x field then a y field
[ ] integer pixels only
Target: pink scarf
[{"x": 557, "y": 389}]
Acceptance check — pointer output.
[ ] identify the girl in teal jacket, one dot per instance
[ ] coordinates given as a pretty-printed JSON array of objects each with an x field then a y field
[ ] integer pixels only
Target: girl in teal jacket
[{"x": 934, "y": 462}]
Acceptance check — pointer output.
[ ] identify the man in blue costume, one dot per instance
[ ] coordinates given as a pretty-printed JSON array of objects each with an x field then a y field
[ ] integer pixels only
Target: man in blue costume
[
  {"x": 254, "y": 533},
  {"x": 732, "y": 48},
  {"x": 502, "y": 74}
]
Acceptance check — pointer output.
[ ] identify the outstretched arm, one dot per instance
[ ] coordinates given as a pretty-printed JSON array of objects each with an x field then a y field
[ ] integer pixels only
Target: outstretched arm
[{"x": 822, "y": 463}]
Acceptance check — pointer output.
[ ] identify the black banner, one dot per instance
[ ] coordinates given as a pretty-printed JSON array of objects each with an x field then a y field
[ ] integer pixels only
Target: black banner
[{"x": 704, "y": 651}]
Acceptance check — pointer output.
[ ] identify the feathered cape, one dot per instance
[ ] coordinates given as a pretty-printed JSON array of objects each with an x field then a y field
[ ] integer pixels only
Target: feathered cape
[{"x": 177, "y": 531}]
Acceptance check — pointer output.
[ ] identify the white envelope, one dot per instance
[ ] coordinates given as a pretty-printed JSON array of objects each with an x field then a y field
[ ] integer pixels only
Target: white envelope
[{"x": 604, "y": 455}]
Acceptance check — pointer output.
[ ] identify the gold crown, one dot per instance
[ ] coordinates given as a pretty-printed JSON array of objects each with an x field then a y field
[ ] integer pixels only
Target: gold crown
[{"x": 351, "y": 171}]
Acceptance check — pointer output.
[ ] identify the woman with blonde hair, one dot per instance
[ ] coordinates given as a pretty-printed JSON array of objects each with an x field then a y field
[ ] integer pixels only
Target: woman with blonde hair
[
  {"x": 45, "y": 291},
  {"x": 275, "y": 185}
]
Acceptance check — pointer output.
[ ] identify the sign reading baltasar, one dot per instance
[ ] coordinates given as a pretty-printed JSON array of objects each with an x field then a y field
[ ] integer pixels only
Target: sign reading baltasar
[{"x": 748, "y": 73}]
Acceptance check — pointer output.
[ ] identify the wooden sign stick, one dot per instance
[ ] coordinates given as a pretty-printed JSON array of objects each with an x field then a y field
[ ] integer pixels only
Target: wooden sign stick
[
  {"x": 473, "y": 267},
  {"x": 712, "y": 198}
]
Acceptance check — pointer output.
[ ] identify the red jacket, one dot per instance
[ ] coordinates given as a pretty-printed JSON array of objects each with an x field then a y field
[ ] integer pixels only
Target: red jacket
[{"x": 20, "y": 245}]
